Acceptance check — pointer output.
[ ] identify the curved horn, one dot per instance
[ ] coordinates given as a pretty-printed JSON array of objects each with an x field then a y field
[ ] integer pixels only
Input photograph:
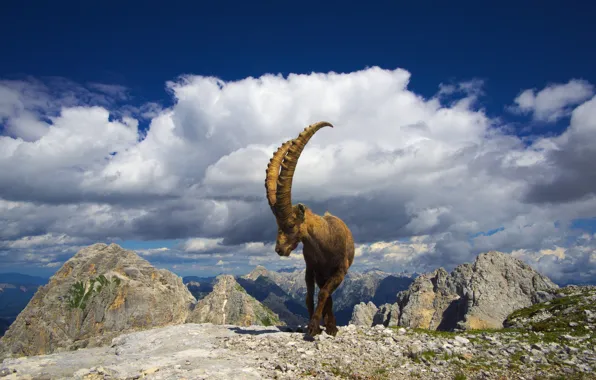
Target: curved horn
[
  {"x": 273, "y": 172},
  {"x": 288, "y": 166}
]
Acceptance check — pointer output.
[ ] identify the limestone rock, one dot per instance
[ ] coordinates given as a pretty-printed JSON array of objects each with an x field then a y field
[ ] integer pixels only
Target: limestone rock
[
  {"x": 208, "y": 351},
  {"x": 229, "y": 304},
  {"x": 363, "y": 314},
  {"x": 101, "y": 292},
  {"x": 473, "y": 296},
  {"x": 387, "y": 315}
]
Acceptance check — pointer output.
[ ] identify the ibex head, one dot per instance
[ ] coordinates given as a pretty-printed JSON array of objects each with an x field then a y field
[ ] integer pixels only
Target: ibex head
[{"x": 278, "y": 186}]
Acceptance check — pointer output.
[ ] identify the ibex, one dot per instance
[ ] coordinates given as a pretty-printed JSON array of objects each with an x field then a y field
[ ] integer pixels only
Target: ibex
[{"x": 328, "y": 245}]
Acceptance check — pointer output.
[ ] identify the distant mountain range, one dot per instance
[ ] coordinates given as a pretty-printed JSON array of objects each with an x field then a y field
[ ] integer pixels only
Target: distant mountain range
[
  {"x": 284, "y": 291},
  {"x": 16, "y": 290}
]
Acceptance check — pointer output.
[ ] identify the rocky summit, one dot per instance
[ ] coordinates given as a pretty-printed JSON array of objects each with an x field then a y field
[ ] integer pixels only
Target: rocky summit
[
  {"x": 98, "y": 294},
  {"x": 474, "y": 296},
  {"x": 229, "y": 303},
  {"x": 207, "y": 351}
]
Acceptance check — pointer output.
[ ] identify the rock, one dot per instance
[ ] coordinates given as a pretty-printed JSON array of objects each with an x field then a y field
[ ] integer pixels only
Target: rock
[
  {"x": 474, "y": 296},
  {"x": 569, "y": 311},
  {"x": 461, "y": 340},
  {"x": 229, "y": 303},
  {"x": 425, "y": 303},
  {"x": 387, "y": 315},
  {"x": 172, "y": 352},
  {"x": 91, "y": 299},
  {"x": 363, "y": 314}
]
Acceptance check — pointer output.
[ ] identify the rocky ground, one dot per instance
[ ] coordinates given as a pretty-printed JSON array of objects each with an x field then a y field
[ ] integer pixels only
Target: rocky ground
[
  {"x": 378, "y": 352},
  {"x": 573, "y": 310},
  {"x": 206, "y": 351}
]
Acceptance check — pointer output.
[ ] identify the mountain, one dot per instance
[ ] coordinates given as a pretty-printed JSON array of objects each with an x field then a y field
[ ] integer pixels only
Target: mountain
[
  {"x": 473, "y": 296},
  {"x": 22, "y": 279},
  {"x": 230, "y": 304},
  {"x": 187, "y": 279},
  {"x": 265, "y": 290},
  {"x": 98, "y": 294},
  {"x": 357, "y": 287}
]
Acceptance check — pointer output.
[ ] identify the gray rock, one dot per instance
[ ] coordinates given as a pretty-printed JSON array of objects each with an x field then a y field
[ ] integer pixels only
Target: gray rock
[
  {"x": 123, "y": 293},
  {"x": 473, "y": 296},
  {"x": 387, "y": 315},
  {"x": 363, "y": 314},
  {"x": 173, "y": 352},
  {"x": 229, "y": 303}
]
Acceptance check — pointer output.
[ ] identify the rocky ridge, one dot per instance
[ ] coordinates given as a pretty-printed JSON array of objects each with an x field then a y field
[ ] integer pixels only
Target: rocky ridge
[
  {"x": 229, "y": 303},
  {"x": 473, "y": 296}
]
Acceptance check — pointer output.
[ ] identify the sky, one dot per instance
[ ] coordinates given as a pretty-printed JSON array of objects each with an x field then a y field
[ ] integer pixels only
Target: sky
[{"x": 459, "y": 129}]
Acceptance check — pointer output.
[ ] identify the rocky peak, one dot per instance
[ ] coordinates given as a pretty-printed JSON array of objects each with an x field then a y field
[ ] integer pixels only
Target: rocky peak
[
  {"x": 99, "y": 293},
  {"x": 473, "y": 296},
  {"x": 255, "y": 273},
  {"x": 229, "y": 304},
  {"x": 363, "y": 314}
]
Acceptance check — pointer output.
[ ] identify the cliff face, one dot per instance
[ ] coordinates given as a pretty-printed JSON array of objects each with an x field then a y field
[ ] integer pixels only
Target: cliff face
[
  {"x": 432, "y": 301},
  {"x": 363, "y": 314},
  {"x": 473, "y": 296},
  {"x": 229, "y": 304},
  {"x": 101, "y": 292}
]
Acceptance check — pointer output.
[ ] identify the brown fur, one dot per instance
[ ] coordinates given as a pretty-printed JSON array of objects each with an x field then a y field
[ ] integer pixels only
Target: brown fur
[{"x": 328, "y": 248}]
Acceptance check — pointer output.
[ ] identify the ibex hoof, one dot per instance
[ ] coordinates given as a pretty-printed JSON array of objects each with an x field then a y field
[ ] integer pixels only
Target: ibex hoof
[
  {"x": 331, "y": 330},
  {"x": 314, "y": 328}
]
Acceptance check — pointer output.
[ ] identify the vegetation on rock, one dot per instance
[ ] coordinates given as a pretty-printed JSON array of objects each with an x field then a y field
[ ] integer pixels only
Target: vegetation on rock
[
  {"x": 572, "y": 312},
  {"x": 81, "y": 292}
]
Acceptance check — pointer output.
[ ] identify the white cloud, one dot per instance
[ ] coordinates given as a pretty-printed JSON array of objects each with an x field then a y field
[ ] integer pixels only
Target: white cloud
[
  {"x": 567, "y": 174},
  {"x": 201, "y": 245},
  {"x": 554, "y": 101},
  {"x": 41, "y": 241},
  {"x": 418, "y": 180}
]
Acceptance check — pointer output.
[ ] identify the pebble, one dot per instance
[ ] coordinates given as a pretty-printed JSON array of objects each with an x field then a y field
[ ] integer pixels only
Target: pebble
[{"x": 360, "y": 352}]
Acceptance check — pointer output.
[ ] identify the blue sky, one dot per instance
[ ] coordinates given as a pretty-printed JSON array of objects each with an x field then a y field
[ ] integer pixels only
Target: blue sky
[
  {"x": 121, "y": 55},
  {"x": 512, "y": 46}
]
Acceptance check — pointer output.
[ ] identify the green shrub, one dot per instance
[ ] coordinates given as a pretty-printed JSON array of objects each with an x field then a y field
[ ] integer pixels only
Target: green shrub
[{"x": 80, "y": 292}]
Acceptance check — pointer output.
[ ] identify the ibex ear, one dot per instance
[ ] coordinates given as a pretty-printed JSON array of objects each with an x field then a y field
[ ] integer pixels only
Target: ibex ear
[{"x": 300, "y": 212}]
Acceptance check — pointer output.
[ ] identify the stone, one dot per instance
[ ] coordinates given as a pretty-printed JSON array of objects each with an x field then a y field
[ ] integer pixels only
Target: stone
[
  {"x": 363, "y": 314},
  {"x": 473, "y": 296},
  {"x": 56, "y": 319},
  {"x": 229, "y": 303}
]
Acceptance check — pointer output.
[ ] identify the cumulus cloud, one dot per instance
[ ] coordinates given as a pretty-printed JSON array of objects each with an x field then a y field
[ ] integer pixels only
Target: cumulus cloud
[
  {"x": 568, "y": 174},
  {"x": 554, "y": 101},
  {"x": 422, "y": 182}
]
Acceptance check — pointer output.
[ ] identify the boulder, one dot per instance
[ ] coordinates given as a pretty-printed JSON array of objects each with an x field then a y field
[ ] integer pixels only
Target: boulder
[{"x": 98, "y": 294}]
